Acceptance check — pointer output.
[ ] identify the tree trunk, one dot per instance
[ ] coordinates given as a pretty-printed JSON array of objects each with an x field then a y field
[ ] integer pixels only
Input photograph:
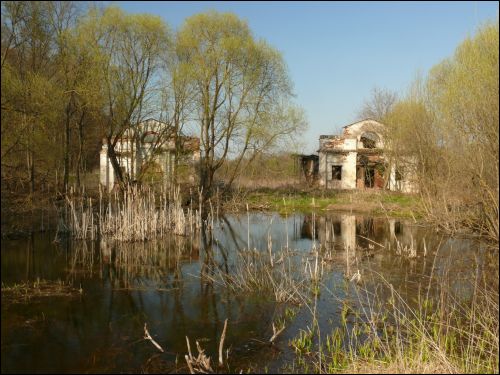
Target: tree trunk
[
  {"x": 31, "y": 172},
  {"x": 30, "y": 161},
  {"x": 114, "y": 162},
  {"x": 66, "y": 146},
  {"x": 80, "y": 148}
]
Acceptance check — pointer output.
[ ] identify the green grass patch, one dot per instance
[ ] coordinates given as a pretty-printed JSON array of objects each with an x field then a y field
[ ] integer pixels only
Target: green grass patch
[
  {"x": 288, "y": 203},
  {"x": 371, "y": 202}
]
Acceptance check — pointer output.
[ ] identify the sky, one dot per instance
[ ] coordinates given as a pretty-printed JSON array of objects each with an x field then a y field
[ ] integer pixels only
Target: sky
[{"x": 336, "y": 52}]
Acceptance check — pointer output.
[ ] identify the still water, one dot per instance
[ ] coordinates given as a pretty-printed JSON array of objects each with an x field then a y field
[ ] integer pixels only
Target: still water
[{"x": 160, "y": 283}]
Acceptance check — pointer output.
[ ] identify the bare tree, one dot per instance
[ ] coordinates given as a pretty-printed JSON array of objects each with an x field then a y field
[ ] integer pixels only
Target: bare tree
[{"x": 378, "y": 105}]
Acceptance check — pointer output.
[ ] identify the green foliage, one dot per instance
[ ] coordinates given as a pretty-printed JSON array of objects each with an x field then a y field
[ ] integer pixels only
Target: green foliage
[
  {"x": 445, "y": 133},
  {"x": 73, "y": 74},
  {"x": 303, "y": 344},
  {"x": 241, "y": 91}
]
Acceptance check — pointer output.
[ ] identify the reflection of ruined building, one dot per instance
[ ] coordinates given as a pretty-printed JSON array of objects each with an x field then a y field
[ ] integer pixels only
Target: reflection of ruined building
[
  {"x": 356, "y": 160},
  {"x": 349, "y": 232},
  {"x": 149, "y": 149}
]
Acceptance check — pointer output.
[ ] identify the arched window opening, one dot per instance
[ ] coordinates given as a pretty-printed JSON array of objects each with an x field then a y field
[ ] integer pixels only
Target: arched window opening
[{"x": 370, "y": 140}]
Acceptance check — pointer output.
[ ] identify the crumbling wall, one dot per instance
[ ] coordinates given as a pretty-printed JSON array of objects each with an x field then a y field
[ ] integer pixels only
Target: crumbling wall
[
  {"x": 346, "y": 160},
  {"x": 358, "y": 129},
  {"x": 344, "y": 151}
]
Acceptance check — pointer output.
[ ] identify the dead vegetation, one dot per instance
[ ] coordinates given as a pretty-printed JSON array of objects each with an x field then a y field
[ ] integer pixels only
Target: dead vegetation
[
  {"x": 201, "y": 363},
  {"x": 136, "y": 214},
  {"x": 24, "y": 292},
  {"x": 286, "y": 276}
]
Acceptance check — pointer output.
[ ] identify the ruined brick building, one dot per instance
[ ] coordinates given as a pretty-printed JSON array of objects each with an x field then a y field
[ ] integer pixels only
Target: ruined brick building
[{"x": 356, "y": 160}]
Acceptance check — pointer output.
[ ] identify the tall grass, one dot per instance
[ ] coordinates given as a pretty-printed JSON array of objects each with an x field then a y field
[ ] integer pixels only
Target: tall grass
[
  {"x": 438, "y": 330},
  {"x": 136, "y": 214},
  {"x": 285, "y": 275}
]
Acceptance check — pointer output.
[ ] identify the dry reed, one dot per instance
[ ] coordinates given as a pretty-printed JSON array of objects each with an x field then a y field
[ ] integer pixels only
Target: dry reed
[{"x": 137, "y": 214}]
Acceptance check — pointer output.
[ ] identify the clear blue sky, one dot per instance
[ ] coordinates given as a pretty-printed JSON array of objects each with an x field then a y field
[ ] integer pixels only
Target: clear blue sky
[{"x": 337, "y": 52}]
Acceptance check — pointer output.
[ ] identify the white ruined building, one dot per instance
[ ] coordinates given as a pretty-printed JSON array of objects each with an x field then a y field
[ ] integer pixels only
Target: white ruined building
[
  {"x": 135, "y": 149},
  {"x": 356, "y": 160}
]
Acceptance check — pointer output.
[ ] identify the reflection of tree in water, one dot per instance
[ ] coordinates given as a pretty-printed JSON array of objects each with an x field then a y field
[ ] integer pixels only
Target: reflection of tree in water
[
  {"x": 136, "y": 264},
  {"x": 208, "y": 265},
  {"x": 309, "y": 227},
  {"x": 155, "y": 264},
  {"x": 364, "y": 226},
  {"x": 126, "y": 285},
  {"x": 212, "y": 246}
]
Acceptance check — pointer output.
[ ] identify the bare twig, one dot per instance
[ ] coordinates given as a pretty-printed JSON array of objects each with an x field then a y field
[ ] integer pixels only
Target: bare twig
[
  {"x": 276, "y": 333},
  {"x": 221, "y": 344},
  {"x": 200, "y": 364},
  {"x": 147, "y": 336}
]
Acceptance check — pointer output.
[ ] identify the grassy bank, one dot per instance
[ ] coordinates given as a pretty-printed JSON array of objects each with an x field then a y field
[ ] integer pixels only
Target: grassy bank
[{"x": 374, "y": 202}]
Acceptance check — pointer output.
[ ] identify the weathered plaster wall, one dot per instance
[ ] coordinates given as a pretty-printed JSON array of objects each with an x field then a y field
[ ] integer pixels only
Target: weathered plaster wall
[
  {"x": 343, "y": 151},
  {"x": 349, "y": 171},
  {"x": 358, "y": 129}
]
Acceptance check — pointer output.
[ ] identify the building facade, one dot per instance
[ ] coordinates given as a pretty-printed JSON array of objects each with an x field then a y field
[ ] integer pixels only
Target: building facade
[
  {"x": 150, "y": 147},
  {"x": 356, "y": 160}
]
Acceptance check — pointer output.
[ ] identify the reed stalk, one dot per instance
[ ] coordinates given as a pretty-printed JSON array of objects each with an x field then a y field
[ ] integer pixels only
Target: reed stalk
[{"x": 135, "y": 215}]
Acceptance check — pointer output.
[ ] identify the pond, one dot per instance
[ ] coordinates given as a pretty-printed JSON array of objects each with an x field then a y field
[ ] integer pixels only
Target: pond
[{"x": 173, "y": 286}]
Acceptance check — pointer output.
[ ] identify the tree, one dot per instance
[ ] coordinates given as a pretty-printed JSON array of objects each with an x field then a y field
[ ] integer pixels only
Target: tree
[
  {"x": 27, "y": 84},
  {"x": 177, "y": 104},
  {"x": 70, "y": 70},
  {"x": 465, "y": 96},
  {"x": 130, "y": 50},
  {"x": 379, "y": 105},
  {"x": 448, "y": 126},
  {"x": 241, "y": 90}
]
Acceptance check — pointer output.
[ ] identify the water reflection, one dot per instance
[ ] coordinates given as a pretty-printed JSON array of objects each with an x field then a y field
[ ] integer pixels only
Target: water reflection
[
  {"x": 350, "y": 232},
  {"x": 169, "y": 284}
]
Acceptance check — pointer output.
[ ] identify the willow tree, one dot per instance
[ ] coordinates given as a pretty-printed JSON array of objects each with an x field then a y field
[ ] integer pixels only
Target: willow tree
[
  {"x": 129, "y": 49},
  {"x": 448, "y": 125},
  {"x": 410, "y": 141},
  {"x": 177, "y": 105},
  {"x": 241, "y": 90},
  {"x": 464, "y": 95}
]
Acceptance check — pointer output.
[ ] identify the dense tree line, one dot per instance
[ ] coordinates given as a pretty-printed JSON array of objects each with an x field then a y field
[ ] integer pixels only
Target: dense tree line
[{"x": 74, "y": 74}]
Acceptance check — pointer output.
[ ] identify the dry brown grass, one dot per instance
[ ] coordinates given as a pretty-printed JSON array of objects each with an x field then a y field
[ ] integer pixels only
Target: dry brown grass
[{"x": 136, "y": 214}]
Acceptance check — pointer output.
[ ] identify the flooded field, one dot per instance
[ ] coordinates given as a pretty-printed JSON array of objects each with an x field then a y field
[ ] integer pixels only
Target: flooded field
[{"x": 188, "y": 286}]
